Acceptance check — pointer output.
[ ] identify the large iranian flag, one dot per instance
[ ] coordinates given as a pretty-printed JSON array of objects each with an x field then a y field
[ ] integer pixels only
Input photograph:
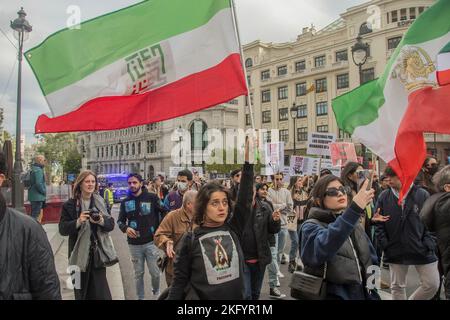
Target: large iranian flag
[
  {"x": 390, "y": 114},
  {"x": 149, "y": 62}
]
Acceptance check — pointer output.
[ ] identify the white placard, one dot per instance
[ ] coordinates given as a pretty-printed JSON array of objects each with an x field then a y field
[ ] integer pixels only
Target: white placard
[
  {"x": 296, "y": 167},
  {"x": 327, "y": 164},
  {"x": 318, "y": 143},
  {"x": 274, "y": 157},
  {"x": 311, "y": 165}
]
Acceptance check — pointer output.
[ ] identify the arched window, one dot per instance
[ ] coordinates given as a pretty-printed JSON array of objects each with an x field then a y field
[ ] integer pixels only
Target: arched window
[
  {"x": 365, "y": 28},
  {"x": 127, "y": 151},
  {"x": 133, "y": 149},
  {"x": 248, "y": 63}
]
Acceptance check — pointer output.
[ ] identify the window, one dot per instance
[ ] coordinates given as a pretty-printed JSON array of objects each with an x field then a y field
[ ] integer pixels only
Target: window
[
  {"x": 365, "y": 29},
  {"x": 403, "y": 15},
  {"x": 267, "y": 136},
  {"x": 265, "y": 96},
  {"x": 394, "y": 16},
  {"x": 300, "y": 89},
  {"x": 248, "y": 63},
  {"x": 234, "y": 101},
  {"x": 421, "y": 9},
  {"x": 302, "y": 111},
  {"x": 282, "y": 93},
  {"x": 322, "y": 128},
  {"x": 283, "y": 114},
  {"x": 139, "y": 148},
  {"x": 300, "y": 65},
  {"x": 265, "y": 75},
  {"x": 148, "y": 146},
  {"x": 103, "y": 155},
  {"x": 107, "y": 152},
  {"x": 343, "y": 134},
  {"x": 368, "y": 75},
  {"x": 321, "y": 108},
  {"x": 284, "y": 136},
  {"x": 133, "y": 149},
  {"x": 266, "y": 117},
  {"x": 302, "y": 134},
  {"x": 251, "y": 99},
  {"x": 152, "y": 146},
  {"x": 341, "y": 56},
  {"x": 393, "y": 42},
  {"x": 98, "y": 152},
  {"x": 282, "y": 70},
  {"x": 412, "y": 13},
  {"x": 249, "y": 82},
  {"x": 127, "y": 150},
  {"x": 321, "y": 85},
  {"x": 319, "y": 61},
  {"x": 247, "y": 120},
  {"x": 342, "y": 81},
  {"x": 112, "y": 151},
  {"x": 117, "y": 151}
]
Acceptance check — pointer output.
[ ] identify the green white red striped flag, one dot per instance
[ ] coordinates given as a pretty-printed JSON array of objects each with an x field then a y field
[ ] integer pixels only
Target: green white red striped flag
[
  {"x": 149, "y": 62},
  {"x": 390, "y": 114},
  {"x": 443, "y": 66}
]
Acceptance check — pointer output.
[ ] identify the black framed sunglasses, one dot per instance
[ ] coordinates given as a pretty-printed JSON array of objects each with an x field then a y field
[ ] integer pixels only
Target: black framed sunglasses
[{"x": 334, "y": 192}]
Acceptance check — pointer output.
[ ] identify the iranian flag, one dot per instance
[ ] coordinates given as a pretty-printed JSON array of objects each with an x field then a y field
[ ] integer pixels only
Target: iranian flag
[
  {"x": 390, "y": 114},
  {"x": 150, "y": 62},
  {"x": 443, "y": 66}
]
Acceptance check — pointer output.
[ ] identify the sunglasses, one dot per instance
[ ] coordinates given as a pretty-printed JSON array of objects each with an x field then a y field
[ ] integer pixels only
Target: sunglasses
[{"x": 334, "y": 192}]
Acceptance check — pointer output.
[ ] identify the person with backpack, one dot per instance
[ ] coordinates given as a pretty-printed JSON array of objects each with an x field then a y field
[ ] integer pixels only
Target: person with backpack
[
  {"x": 406, "y": 241},
  {"x": 37, "y": 191}
]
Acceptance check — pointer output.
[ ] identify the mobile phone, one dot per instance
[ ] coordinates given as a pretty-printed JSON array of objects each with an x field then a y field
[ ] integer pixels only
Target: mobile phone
[
  {"x": 369, "y": 185},
  {"x": 363, "y": 175}
]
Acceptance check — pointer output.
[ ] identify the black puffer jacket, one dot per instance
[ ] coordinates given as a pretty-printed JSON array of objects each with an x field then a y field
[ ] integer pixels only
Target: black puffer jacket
[
  {"x": 435, "y": 215},
  {"x": 27, "y": 266}
]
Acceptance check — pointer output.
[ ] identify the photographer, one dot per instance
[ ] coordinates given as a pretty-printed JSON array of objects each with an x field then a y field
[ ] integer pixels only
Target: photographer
[{"x": 86, "y": 221}]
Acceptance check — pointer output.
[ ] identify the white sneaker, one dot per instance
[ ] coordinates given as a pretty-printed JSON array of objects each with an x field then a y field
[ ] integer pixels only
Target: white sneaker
[{"x": 280, "y": 275}]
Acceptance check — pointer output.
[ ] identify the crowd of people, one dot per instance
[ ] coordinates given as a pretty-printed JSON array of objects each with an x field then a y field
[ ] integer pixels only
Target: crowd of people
[{"x": 216, "y": 241}]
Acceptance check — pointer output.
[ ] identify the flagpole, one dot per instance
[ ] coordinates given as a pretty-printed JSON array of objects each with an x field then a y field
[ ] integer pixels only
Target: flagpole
[{"x": 236, "y": 26}]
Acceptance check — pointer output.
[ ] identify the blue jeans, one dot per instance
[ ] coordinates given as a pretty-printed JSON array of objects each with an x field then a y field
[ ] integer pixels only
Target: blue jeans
[
  {"x": 273, "y": 267},
  {"x": 294, "y": 243},
  {"x": 282, "y": 237},
  {"x": 36, "y": 207},
  {"x": 139, "y": 254},
  {"x": 253, "y": 279}
]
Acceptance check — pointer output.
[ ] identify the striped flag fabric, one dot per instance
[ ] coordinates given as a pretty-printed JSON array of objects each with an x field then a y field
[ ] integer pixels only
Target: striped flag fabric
[
  {"x": 149, "y": 62},
  {"x": 443, "y": 66},
  {"x": 390, "y": 114}
]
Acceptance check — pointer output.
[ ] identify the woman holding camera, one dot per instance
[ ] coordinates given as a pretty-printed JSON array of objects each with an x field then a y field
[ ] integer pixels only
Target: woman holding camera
[
  {"x": 333, "y": 242},
  {"x": 86, "y": 221}
]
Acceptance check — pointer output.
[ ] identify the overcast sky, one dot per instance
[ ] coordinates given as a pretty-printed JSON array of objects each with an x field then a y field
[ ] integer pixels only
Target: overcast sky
[{"x": 267, "y": 20}]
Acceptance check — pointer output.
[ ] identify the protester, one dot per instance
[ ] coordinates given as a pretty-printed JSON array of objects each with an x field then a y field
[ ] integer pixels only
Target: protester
[
  {"x": 26, "y": 258},
  {"x": 174, "y": 199},
  {"x": 139, "y": 217},
  {"x": 210, "y": 261},
  {"x": 435, "y": 215},
  {"x": 235, "y": 181},
  {"x": 334, "y": 244},
  {"x": 263, "y": 223},
  {"x": 405, "y": 240},
  {"x": 86, "y": 233},
  {"x": 426, "y": 173},
  {"x": 37, "y": 192},
  {"x": 108, "y": 195},
  {"x": 172, "y": 228}
]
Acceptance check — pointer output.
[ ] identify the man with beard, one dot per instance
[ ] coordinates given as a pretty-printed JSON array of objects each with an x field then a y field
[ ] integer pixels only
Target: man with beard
[
  {"x": 26, "y": 258},
  {"x": 139, "y": 217}
]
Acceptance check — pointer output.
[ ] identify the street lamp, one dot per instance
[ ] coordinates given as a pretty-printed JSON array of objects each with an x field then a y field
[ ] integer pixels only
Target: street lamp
[
  {"x": 294, "y": 115},
  {"x": 120, "y": 155},
  {"x": 360, "y": 52},
  {"x": 21, "y": 29}
]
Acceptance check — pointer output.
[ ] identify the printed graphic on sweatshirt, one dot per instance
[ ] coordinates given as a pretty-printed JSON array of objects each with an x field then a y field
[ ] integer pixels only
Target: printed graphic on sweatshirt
[
  {"x": 133, "y": 224},
  {"x": 146, "y": 208},
  {"x": 220, "y": 257},
  {"x": 130, "y": 206}
]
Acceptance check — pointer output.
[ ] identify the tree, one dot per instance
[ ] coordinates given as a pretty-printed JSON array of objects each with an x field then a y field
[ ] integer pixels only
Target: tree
[{"x": 61, "y": 152}]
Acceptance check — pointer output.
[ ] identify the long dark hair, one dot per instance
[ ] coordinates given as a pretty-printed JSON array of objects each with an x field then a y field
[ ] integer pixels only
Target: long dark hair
[
  {"x": 350, "y": 168},
  {"x": 203, "y": 197},
  {"x": 320, "y": 188}
]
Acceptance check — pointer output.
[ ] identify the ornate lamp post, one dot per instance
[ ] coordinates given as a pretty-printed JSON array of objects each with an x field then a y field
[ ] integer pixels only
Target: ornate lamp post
[
  {"x": 21, "y": 28},
  {"x": 294, "y": 115},
  {"x": 360, "y": 52}
]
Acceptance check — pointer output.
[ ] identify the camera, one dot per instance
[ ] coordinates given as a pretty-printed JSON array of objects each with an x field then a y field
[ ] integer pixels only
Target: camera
[{"x": 95, "y": 214}]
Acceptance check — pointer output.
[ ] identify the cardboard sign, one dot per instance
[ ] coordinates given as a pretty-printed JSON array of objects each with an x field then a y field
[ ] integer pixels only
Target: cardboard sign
[
  {"x": 311, "y": 165},
  {"x": 296, "y": 167},
  {"x": 327, "y": 164},
  {"x": 318, "y": 143},
  {"x": 342, "y": 152},
  {"x": 274, "y": 157}
]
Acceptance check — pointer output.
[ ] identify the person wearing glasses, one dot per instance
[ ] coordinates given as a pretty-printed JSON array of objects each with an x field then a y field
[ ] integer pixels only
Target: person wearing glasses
[
  {"x": 235, "y": 182},
  {"x": 209, "y": 263},
  {"x": 424, "y": 179},
  {"x": 332, "y": 237}
]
